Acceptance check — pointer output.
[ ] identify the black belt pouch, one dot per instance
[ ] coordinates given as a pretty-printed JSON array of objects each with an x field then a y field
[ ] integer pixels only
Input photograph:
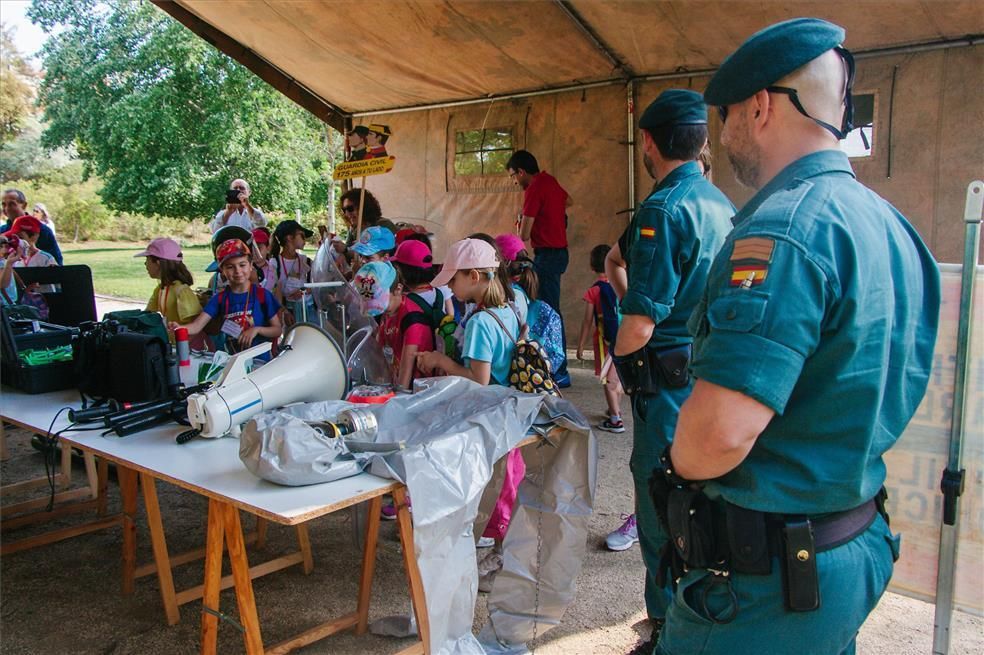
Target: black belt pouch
[
  {"x": 673, "y": 365},
  {"x": 748, "y": 541},
  {"x": 802, "y": 587}
]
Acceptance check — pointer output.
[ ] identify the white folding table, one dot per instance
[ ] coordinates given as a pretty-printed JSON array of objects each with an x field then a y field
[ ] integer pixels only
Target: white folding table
[{"x": 212, "y": 469}]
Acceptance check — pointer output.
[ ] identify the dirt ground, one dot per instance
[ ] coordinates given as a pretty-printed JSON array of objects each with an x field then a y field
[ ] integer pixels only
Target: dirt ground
[{"x": 65, "y": 598}]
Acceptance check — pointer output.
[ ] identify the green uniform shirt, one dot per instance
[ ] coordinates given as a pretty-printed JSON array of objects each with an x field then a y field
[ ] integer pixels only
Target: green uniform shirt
[
  {"x": 668, "y": 249},
  {"x": 823, "y": 305}
]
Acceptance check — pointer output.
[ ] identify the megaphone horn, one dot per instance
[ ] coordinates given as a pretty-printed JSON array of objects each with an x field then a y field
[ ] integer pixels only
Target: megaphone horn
[{"x": 310, "y": 368}]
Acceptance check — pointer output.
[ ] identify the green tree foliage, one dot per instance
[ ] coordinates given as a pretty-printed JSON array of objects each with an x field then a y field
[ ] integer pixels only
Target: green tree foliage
[
  {"x": 165, "y": 120},
  {"x": 23, "y": 157},
  {"x": 16, "y": 94}
]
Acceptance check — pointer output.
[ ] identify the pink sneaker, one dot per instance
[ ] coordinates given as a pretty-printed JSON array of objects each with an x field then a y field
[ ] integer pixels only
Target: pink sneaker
[
  {"x": 625, "y": 536},
  {"x": 388, "y": 513}
]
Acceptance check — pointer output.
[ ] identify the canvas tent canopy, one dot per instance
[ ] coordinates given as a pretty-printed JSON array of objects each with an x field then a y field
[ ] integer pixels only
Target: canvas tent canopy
[
  {"x": 410, "y": 54},
  {"x": 566, "y": 79}
]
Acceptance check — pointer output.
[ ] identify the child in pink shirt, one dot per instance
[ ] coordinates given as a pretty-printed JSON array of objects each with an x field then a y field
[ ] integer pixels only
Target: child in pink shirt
[{"x": 407, "y": 328}]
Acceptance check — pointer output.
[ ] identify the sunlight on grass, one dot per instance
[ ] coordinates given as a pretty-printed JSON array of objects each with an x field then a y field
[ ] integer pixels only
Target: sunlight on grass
[{"x": 116, "y": 272}]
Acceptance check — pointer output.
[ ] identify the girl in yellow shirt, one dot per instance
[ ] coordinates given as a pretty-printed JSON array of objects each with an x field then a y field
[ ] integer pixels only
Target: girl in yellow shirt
[{"x": 173, "y": 297}]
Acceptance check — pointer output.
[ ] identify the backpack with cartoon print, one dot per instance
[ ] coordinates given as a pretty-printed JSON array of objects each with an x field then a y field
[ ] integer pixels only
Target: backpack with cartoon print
[{"x": 529, "y": 368}]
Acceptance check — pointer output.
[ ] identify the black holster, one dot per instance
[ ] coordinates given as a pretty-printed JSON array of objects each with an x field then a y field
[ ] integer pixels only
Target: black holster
[{"x": 648, "y": 370}]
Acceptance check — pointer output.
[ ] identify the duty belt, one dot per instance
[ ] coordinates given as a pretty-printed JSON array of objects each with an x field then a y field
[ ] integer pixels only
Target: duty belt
[{"x": 829, "y": 530}]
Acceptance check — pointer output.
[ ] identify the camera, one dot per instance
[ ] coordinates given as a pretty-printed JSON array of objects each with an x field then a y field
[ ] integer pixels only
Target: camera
[
  {"x": 232, "y": 196},
  {"x": 8, "y": 244}
]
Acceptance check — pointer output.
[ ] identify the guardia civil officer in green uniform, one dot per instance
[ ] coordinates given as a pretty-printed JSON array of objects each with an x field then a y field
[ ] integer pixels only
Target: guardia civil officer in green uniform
[
  {"x": 812, "y": 350},
  {"x": 665, "y": 254}
]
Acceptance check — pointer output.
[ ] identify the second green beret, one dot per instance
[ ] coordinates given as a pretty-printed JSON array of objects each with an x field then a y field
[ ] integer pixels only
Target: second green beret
[{"x": 677, "y": 107}]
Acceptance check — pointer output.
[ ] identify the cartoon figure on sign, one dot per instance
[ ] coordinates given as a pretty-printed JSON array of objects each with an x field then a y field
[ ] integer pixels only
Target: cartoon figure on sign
[
  {"x": 376, "y": 140},
  {"x": 358, "y": 150}
]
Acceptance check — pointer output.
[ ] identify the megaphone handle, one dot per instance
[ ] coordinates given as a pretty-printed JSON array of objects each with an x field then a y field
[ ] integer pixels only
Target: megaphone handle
[{"x": 236, "y": 368}]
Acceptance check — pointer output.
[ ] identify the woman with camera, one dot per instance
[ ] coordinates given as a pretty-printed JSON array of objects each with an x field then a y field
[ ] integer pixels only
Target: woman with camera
[{"x": 238, "y": 210}]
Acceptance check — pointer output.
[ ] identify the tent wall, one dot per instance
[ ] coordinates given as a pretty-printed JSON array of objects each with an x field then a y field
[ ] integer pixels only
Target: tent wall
[
  {"x": 577, "y": 137},
  {"x": 580, "y": 137}
]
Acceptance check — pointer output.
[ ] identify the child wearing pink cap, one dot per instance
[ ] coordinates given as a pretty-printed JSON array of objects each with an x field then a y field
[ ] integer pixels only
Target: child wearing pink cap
[
  {"x": 406, "y": 329},
  {"x": 173, "y": 296},
  {"x": 471, "y": 270}
]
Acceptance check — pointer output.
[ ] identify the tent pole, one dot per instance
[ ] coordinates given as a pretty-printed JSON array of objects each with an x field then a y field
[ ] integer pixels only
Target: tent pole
[
  {"x": 630, "y": 141},
  {"x": 362, "y": 204},
  {"x": 953, "y": 477}
]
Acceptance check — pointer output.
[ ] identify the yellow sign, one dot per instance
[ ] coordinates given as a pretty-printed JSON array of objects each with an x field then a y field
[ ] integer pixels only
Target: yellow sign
[{"x": 364, "y": 168}]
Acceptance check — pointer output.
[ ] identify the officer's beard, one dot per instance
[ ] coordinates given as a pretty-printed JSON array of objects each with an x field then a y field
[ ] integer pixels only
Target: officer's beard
[
  {"x": 746, "y": 167},
  {"x": 745, "y": 159},
  {"x": 649, "y": 166}
]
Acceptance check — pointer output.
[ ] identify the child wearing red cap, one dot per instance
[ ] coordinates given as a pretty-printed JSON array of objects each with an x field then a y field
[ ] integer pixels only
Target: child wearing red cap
[
  {"x": 261, "y": 258},
  {"x": 248, "y": 311},
  {"x": 173, "y": 297},
  {"x": 28, "y": 229},
  {"x": 25, "y": 231}
]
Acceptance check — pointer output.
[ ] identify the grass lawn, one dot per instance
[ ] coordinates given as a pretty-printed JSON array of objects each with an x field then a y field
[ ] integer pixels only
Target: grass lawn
[{"x": 116, "y": 272}]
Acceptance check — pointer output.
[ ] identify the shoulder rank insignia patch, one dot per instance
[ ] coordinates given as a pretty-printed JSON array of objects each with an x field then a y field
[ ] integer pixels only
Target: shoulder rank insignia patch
[
  {"x": 753, "y": 248},
  {"x": 751, "y": 259},
  {"x": 647, "y": 232}
]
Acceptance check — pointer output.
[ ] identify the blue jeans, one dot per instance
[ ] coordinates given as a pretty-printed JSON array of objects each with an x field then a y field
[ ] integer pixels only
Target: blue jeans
[{"x": 550, "y": 264}]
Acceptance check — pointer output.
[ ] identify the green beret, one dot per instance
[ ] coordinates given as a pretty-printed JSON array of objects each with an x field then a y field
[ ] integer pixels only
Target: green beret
[
  {"x": 676, "y": 106},
  {"x": 770, "y": 55}
]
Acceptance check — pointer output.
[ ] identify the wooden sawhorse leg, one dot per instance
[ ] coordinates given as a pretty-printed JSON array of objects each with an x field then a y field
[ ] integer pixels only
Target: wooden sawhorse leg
[
  {"x": 128, "y": 491},
  {"x": 368, "y": 564},
  {"x": 224, "y": 525},
  {"x": 405, "y": 525},
  {"x": 159, "y": 543}
]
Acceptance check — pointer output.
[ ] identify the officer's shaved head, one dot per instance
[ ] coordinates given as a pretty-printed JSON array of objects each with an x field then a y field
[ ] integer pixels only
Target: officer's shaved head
[{"x": 820, "y": 85}]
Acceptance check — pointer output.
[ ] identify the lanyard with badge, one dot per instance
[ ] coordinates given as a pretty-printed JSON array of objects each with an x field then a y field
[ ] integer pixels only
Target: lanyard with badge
[
  {"x": 235, "y": 327},
  {"x": 294, "y": 281}
]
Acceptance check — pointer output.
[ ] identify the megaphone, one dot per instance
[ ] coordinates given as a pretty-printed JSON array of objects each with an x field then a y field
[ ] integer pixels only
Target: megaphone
[{"x": 310, "y": 368}]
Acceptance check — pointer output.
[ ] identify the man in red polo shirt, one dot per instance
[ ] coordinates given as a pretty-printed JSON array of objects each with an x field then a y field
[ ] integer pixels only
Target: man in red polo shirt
[{"x": 543, "y": 225}]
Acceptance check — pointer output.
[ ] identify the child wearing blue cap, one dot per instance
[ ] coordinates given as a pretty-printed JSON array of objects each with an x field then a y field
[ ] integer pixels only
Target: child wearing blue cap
[
  {"x": 375, "y": 244},
  {"x": 373, "y": 250}
]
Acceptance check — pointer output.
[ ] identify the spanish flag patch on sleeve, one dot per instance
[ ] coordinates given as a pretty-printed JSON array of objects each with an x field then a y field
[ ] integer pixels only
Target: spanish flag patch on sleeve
[
  {"x": 647, "y": 232},
  {"x": 750, "y": 261},
  {"x": 749, "y": 275}
]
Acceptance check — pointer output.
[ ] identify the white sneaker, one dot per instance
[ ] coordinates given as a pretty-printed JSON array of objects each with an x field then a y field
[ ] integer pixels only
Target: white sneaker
[
  {"x": 626, "y": 535},
  {"x": 485, "y": 542}
]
